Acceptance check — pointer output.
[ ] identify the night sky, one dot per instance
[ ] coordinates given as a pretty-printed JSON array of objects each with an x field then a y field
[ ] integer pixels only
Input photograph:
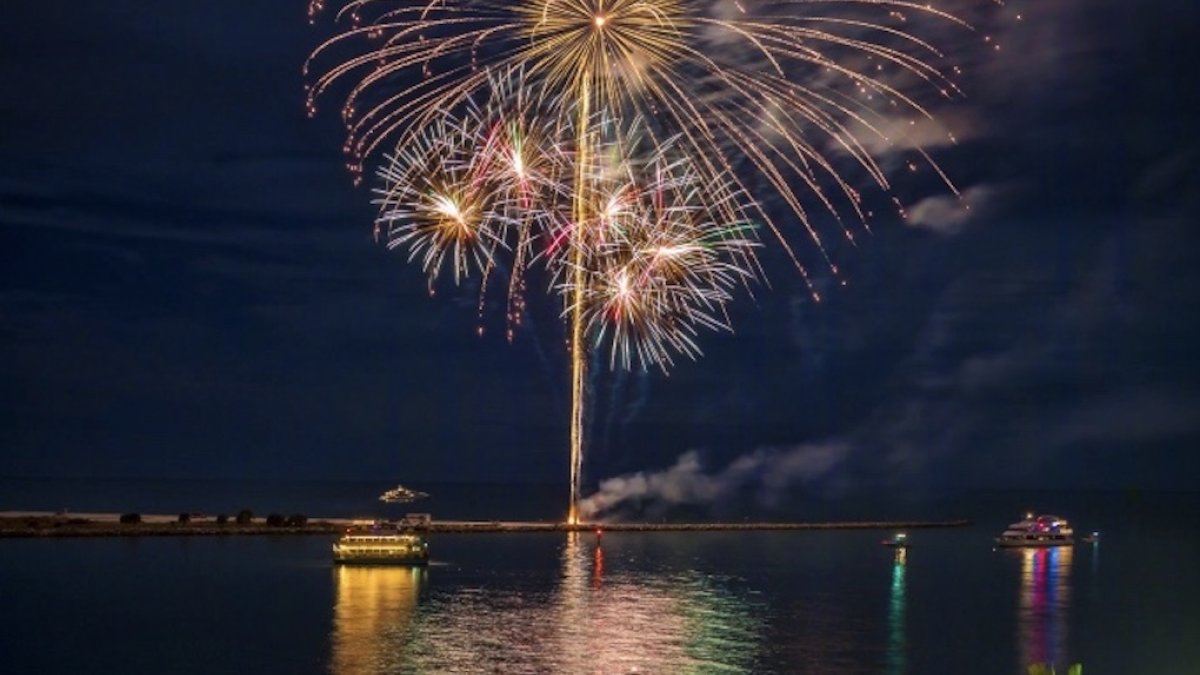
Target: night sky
[{"x": 190, "y": 286}]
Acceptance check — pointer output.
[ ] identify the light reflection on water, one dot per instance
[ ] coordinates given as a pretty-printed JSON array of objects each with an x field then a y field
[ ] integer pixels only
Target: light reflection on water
[
  {"x": 590, "y": 621},
  {"x": 1044, "y": 605},
  {"x": 373, "y": 609},
  {"x": 897, "y": 645}
]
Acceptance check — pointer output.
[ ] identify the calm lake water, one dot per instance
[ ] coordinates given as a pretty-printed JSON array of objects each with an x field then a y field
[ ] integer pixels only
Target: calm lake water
[{"x": 754, "y": 602}]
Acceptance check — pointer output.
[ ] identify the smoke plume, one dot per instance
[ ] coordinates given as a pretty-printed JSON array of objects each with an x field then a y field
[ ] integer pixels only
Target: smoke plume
[{"x": 768, "y": 471}]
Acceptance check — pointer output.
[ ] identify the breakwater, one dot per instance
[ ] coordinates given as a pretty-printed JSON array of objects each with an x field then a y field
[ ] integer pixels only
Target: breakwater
[{"x": 43, "y": 524}]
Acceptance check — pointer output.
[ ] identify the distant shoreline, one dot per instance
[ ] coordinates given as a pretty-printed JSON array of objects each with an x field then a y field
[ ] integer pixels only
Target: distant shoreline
[{"x": 34, "y": 524}]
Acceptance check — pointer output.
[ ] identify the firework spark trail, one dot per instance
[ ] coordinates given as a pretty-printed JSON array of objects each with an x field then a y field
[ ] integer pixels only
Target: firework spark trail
[
  {"x": 784, "y": 93},
  {"x": 579, "y": 214},
  {"x": 657, "y": 267},
  {"x": 477, "y": 186},
  {"x": 657, "y": 58},
  {"x": 465, "y": 191},
  {"x": 640, "y": 261}
]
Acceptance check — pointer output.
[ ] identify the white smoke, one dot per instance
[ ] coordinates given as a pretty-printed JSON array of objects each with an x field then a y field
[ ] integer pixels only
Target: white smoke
[
  {"x": 771, "y": 471},
  {"x": 948, "y": 215}
]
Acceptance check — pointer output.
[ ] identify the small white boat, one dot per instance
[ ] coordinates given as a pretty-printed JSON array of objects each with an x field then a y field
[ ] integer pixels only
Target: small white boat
[
  {"x": 1035, "y": 530},
  {"x": 401, "y": 494}
]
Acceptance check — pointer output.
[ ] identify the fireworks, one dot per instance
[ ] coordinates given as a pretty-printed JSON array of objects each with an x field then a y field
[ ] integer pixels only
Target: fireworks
[
  {"x": 643, "y": 225},
  {"x": 787, "y": 91},
  {"x": 645, "y": 269},
  {"x": 474, "y": 186},
  {"x": 433, "y": 204},
  {"x": 657, "y": 266}
]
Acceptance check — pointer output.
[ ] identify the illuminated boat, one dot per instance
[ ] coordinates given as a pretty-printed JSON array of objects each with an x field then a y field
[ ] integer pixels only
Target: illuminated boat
[
  {"x": 1038, "y": 530},
  {"x": 381, "y": 545},
  {"x": 898, "y": 540},
  {"x": 401, "y": 494}
]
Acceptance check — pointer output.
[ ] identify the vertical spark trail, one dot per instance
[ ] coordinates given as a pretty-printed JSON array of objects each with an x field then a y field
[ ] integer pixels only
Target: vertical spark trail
[{"x": 578, "y": 346}]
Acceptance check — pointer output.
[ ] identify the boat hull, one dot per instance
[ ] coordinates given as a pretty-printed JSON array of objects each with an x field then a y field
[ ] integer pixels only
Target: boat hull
[
  {"x": 378, "y": 561},
  {"x": 1036, "y": 531},
  {"x": 1033, "y": 543}
]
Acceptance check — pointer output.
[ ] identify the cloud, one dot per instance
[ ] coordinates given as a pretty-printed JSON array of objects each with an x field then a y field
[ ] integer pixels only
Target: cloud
[
  {"x": 911, "y": 132},
  {"x": 267, "y": 204},
  {"x": 1137, "y": 416},
  {"x": 769, "y": 471},
  {"x": 1019, "y": 367},
  {"x": 948, "y": 214}
]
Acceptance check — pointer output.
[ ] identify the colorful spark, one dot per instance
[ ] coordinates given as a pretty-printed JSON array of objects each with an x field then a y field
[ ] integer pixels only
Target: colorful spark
[{"x": 647, "y": 267}]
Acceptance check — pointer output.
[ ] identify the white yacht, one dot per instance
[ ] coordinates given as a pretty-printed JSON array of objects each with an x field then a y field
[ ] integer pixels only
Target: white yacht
[
  {"x": 1038, "y": 530},
  {"x": 401, "y": 494}
]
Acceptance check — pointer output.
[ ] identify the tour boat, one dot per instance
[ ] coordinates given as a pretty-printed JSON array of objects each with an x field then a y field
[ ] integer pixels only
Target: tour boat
[
  {"x": 381, "y": 545},
  {"x": 1038, "y": 530}
]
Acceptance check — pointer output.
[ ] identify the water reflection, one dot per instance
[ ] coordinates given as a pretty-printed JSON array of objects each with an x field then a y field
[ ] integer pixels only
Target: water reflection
[
  {"x": 372, "y": 617},
  {"x": 596, "y": 618},
  {"x": 1044, "y": 604},
  {"x": 649, "y": 622},
  {"x": 598, "y": 567},
  {"x": 896, "y": 652}
]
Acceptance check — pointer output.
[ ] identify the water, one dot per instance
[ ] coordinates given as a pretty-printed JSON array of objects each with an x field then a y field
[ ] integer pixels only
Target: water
[{"x": 755, "y": 602}]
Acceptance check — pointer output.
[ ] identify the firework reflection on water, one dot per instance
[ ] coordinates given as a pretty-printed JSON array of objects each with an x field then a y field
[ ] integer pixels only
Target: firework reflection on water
[{"x": 667, "y": 622}]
